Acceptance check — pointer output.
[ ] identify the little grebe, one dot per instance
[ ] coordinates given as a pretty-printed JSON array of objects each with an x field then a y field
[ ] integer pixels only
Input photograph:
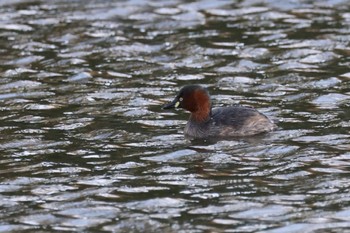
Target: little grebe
[{"x": 206, "y": 122}]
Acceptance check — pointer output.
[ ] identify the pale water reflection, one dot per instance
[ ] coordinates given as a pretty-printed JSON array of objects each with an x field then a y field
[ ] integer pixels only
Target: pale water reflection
[{"x": 85, "y": 145}]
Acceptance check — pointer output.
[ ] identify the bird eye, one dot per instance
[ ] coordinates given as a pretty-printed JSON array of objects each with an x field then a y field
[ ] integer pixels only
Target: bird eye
[{"x": 181, "y": 99}]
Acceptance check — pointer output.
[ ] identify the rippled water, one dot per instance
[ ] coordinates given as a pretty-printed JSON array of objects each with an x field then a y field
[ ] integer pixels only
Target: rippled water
[{"x": 85, "y": 145}]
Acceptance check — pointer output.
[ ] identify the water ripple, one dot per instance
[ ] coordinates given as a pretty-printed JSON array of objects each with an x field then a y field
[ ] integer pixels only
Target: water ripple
[{"x": 86, "y": 146}]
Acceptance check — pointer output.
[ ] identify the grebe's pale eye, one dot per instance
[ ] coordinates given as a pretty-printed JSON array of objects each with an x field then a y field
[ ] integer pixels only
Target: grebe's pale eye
[{"x": 177, "y": 104}]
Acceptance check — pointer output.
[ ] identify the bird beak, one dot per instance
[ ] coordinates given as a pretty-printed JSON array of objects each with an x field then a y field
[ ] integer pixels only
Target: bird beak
[{"x": 174, "y": 104}]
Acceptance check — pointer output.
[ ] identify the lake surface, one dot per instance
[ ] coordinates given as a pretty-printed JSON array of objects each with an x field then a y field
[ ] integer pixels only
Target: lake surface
[{"x": 86, "y": 147}]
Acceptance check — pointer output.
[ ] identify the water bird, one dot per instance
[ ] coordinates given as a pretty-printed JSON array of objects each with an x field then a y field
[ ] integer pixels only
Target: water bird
[{"x": 206, "y": 122}]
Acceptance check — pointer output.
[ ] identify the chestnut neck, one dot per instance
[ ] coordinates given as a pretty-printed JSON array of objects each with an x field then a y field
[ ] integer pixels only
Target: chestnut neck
[
  {"x": 199, "y": 105},
  {"x": 202, "y": 113},
  {"x": 200, "y": 117}
]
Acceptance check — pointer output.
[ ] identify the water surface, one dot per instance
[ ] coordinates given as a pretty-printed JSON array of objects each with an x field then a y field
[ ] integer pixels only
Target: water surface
[{"x": 85, "y": 145}]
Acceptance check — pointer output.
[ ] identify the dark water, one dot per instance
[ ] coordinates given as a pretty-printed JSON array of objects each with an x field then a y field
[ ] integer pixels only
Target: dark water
[{"x": 86, "y": 147}]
